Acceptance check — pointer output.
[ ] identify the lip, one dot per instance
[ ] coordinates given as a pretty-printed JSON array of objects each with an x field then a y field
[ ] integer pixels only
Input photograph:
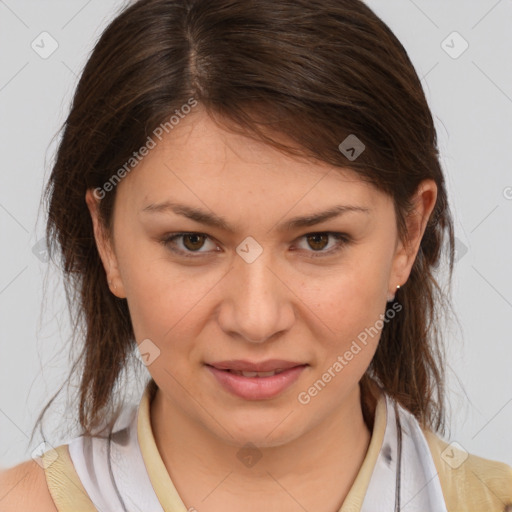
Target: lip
[
  {"x": 257, "y": 388},
  {"x": 250, "y": 366}
]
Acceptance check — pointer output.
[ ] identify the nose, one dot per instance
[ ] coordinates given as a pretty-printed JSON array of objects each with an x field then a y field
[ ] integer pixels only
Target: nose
[{"x": 257, "y": 303}]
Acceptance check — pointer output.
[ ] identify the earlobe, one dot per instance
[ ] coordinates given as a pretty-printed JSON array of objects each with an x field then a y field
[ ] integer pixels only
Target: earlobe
[
  {"x": 400, "y": 271},
  {"x": 104, "y": 247},
  {"x": 391, "y": 296}
]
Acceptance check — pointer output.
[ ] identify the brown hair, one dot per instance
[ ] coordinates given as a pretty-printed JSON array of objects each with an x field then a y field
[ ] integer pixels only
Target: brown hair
[{"x": 313, "y": 71}]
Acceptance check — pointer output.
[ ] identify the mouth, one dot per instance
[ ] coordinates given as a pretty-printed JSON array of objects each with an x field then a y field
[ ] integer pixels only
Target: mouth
[
  {"x": 255, "y": 374},
  {"x": 256, "y": 381},
  {"x": 261, "y": 367}
]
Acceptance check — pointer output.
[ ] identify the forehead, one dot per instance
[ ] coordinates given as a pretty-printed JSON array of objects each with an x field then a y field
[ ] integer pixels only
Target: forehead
[{"x": 208, "y": 163}]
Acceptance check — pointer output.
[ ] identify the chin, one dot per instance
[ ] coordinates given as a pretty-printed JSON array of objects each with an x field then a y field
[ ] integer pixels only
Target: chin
[{"x": 260, "y": 434}]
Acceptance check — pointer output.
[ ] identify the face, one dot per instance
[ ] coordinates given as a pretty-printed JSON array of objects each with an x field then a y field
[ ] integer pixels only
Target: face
[{"x": 254, "y": 287}]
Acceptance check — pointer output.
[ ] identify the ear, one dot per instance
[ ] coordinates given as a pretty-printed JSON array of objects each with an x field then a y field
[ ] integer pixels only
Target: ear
[
  {"x": 424, "y": 202},
  {"x": 104, "y": 244}
]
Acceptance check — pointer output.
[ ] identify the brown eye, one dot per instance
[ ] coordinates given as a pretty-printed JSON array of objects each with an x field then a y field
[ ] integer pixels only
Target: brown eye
[
  {"x": 193, "y": 241},
  {"x": 318, "y": 241},
  {"x": 190, "y": 243}
]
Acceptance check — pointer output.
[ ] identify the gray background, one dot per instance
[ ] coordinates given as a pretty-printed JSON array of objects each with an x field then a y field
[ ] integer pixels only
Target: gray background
[{"x": 471, "y": 99}]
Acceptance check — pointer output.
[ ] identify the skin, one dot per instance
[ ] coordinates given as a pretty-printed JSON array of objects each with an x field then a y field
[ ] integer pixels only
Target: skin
[
  {"x": 24, "y": 487},
  {"x": 286, "y": 304}
]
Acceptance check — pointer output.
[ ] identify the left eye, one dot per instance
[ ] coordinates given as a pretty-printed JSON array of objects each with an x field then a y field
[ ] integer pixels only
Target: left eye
[
  {"x": 317, "y": 242},
  {"x": 192, "y": 242}
]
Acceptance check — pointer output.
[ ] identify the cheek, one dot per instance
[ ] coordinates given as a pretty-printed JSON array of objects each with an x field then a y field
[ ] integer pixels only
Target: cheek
[
  {"x": 351, "y": 304},
  {"x": 352, "y": 295},
  {"x": 161, "y": 294},
  {"x": 148, "y": 293}
]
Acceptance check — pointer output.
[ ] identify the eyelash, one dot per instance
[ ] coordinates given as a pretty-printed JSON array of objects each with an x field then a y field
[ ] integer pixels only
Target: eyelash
[{"x": 342, "y": 238}]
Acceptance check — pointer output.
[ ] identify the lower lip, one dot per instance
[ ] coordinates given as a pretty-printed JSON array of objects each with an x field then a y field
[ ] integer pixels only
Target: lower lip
[{"x": 257, "y": 388}]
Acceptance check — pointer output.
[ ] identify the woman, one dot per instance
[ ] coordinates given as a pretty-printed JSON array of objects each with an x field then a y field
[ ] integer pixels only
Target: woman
[{"x": 248, "y": 194}]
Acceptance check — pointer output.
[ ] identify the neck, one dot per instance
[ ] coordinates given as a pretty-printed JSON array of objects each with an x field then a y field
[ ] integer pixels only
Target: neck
[{"x": 328, "y": 456}]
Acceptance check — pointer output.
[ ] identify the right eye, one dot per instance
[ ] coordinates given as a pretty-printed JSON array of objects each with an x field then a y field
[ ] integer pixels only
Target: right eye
[{"x": 192, "y": 242}]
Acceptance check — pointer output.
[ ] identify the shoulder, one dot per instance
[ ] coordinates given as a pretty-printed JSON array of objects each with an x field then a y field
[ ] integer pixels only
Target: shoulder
[
  {"x": 24, "y": 487},
  {"x": 470, "y": 482},
  {"x": 49, "y": 485}
]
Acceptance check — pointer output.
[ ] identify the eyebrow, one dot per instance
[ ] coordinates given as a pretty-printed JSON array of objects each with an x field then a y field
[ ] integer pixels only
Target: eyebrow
[{"x": 213, "y": 220}]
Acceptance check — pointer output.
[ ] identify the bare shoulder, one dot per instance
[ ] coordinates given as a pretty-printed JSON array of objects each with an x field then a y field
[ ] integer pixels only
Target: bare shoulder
[{"x": 23, "y": 487}]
